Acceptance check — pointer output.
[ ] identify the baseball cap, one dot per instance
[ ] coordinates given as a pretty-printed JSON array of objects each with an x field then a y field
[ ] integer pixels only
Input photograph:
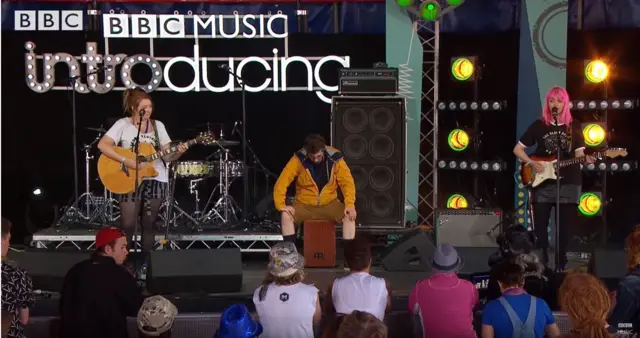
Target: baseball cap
[{"x": 107, "y": 235}]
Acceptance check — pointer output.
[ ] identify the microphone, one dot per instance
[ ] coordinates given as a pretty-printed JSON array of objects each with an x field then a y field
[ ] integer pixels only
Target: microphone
[
  {"x": 223, "y": 66},
  {"x": 235, "y": 127},
  {"x": 554, "y": 111},
  {"x": 142, "y": 112}
]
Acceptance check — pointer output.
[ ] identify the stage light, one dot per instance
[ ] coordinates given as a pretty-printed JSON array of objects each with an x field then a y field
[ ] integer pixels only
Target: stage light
[
  {"x": 611, "y": 166},
  {"x": 590, "y": 204},
  {"x": 405, "y": 3},
  {"x": 458, "y": 140},
  {"x": 457, "y": 164},
  {"x": 489, "y": 105},
  {"x": 457, "y": 201},
  {"x": 454, "y": 2},
  {"x": 604, "y": 104},
  {"x": 596, "y": 71},
  {"x": 37, "y": 192},
  {"x": 463, "y": 68},
  {"x": 594, "y": 134},
  {"x": 430, "y": 10}
]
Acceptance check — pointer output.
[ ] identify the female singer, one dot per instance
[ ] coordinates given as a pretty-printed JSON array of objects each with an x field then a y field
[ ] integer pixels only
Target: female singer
[
  {"x": 138, "y": 106},
  {"x": 543, "y": 133}
]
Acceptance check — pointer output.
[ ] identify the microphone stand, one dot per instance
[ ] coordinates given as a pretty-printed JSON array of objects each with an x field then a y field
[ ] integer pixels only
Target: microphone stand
[
  {"x": 245, "y": 171},
  {"x": 72, "y": 82},
  {"x": 258, "y": 163},
  {"x": 138, "y": 199},
  {"x": 557, "y": 170}
]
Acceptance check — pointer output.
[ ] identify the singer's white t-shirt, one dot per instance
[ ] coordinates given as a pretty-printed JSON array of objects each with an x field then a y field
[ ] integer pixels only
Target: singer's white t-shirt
[{"x": 123, "y": 132}]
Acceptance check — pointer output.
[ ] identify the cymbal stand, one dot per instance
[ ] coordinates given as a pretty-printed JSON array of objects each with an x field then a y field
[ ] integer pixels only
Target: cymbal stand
[
  {"x": 171, "y": 203},
  {"x": 225, "y": 206},
  {"x": 81, "y": 209}
]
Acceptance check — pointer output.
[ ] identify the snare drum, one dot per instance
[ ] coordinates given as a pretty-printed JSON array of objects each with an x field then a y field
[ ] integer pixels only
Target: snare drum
[
  {"x": 235, "y": 168},
  {"x": 193, "y": 169}
]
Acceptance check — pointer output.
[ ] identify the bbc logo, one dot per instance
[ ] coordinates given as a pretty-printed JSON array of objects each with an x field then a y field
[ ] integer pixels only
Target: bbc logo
[
  {"x": 143, "y": 26},
  {"x": 48, "y": 20}
]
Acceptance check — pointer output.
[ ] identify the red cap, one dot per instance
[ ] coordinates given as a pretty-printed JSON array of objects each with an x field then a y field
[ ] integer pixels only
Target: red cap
[{"x": 107, "y": 235}]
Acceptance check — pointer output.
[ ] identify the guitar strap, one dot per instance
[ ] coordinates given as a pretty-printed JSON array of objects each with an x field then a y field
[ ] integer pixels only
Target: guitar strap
[{"x": 157, "y": 144}]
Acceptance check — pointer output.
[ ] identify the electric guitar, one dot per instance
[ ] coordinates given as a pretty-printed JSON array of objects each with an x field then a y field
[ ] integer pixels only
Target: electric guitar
[
  {"x": 120, "y": 179},
  {"x": 530, "y": 178}
]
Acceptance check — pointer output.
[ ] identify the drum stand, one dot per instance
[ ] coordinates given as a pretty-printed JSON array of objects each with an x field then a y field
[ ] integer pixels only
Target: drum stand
[
  {"x": 225, "y": 207},
  {"x": 170, "y": 203}
]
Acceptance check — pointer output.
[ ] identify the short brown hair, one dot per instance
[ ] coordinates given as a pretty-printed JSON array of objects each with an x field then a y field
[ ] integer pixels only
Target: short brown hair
[
  {"x": 357, "y": 253},
  {"x": 6, "y": 227},
  {"x": 508, "y": 273},
  {"x": 314, "y": 143},
  {"x": 359, "y": 324}
]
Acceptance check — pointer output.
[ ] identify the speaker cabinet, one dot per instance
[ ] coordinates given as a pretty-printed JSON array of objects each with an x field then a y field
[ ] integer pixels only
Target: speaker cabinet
[
  {"x": 47, "y": 269},
  {"x": 608, "y": 265},
  {"x": 412, "y": 252},
  {"x": 371, "y": 133}
]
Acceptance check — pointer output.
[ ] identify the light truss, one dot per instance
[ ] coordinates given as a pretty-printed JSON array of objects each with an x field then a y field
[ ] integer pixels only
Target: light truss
[{"x": 429, "y": 33}]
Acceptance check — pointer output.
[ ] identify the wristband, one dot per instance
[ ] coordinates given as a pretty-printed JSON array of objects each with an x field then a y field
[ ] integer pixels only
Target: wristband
[{"x": 123, "y": 159}]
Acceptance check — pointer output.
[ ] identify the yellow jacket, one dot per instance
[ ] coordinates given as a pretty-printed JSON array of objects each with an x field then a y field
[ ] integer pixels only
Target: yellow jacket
[{"x": 306, "y": 188}]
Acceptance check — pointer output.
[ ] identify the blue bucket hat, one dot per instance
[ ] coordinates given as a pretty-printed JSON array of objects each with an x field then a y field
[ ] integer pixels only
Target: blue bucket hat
[{"x": 236, "y": 322}]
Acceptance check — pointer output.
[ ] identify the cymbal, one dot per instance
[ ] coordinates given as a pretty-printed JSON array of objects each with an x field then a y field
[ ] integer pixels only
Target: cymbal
[
  {"x": 225, "y": 143},
  {"x": 97, "y": 130}
]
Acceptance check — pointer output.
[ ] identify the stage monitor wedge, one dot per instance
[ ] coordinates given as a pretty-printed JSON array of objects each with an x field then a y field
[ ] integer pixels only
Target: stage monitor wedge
[{"x": 371, "y": 133}]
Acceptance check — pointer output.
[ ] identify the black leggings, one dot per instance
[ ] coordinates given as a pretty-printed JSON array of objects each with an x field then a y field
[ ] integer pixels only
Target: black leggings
[
  {"x": 541, "y": 215},
  {"x": 128, "y": 215}
]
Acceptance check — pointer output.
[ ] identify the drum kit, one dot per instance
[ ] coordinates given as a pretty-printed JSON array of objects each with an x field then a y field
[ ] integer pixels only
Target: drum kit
[{"x": 218, "y": 169}]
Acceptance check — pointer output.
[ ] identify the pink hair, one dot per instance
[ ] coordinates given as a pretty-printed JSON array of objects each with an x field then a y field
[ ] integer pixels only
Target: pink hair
[{"x": 564, "y": 117}]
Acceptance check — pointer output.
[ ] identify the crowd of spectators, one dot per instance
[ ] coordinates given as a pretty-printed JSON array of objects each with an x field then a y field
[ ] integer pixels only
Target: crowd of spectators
[{"x": 99, "y": 294}]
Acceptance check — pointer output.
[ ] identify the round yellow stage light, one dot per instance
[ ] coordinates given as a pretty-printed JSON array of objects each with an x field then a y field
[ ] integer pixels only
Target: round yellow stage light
[
  {"x": 462, "y": 69},
  {"x": 596, "y": 71},
  {"x": 590, "y": 204},
  {"x": 594, "y": 134},
  {"x": 458, "y": 140},
  {"x": 457, "y": 201}
]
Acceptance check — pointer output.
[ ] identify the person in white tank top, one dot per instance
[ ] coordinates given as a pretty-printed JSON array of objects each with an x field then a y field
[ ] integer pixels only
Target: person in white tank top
[
  {"x": 359, "y": 290},
  {"x": 286, "y": 307}
]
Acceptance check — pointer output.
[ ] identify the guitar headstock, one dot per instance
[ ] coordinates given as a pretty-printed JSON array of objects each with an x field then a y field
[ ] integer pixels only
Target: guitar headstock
[
  {"x": 206, "y": 137},
  {"x": 615, "y": 152}
]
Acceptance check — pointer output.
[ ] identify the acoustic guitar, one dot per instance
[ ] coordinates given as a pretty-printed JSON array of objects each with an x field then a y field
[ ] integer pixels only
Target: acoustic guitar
[
  {"x": 530, "y": 178},
  {"x": 120, "y": 179}
]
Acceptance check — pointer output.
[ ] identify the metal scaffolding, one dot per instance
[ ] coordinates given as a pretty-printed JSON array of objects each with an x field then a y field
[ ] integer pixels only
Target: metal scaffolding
[{"x": 429, "y": 33}]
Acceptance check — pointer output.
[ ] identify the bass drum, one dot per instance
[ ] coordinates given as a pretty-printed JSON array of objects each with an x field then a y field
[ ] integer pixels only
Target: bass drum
[{"x": 194, "y": 169}]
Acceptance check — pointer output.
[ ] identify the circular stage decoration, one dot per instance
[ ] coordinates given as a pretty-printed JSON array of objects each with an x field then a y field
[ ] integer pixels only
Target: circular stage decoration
[
  {"x": 457, "y": 201},
  {"x": 458, "y": 140},
  {"x": 404, "y": 3},
  {"x": 462, "y": 69},
  {"x": 594, "y": 134},
  {"x": 544, "y": 35},
  {"x": 430, "y": 10},
  {"x": 590, "y": 204}
]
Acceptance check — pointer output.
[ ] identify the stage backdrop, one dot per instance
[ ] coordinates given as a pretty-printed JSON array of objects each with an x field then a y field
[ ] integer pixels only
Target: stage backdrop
[{"x": 37, "y": 127}]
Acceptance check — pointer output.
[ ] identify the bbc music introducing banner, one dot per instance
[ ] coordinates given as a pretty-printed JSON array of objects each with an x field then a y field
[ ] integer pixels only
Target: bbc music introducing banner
[{"x": 542, "y": 64}]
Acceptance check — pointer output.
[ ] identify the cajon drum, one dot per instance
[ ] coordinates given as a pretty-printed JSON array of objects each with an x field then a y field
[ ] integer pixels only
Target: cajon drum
[{"x": 320, "y": 244}]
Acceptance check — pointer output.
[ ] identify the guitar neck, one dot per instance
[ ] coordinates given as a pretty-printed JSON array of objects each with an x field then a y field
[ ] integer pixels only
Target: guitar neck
[
  {"x": 581, "y": 159},
  {"x": 167, "y": 151}
]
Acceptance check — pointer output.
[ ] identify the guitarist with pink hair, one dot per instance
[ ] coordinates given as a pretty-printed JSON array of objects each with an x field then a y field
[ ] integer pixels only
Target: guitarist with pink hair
[{"x": 543, "y": 134}]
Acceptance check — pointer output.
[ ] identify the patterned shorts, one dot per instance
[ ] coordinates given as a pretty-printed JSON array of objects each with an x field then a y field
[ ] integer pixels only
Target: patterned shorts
[{"x": 149, "y": 190}]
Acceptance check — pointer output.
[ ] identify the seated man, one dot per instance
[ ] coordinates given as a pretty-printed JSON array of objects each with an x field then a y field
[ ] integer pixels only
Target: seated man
[{"x": 319, "y": 171}]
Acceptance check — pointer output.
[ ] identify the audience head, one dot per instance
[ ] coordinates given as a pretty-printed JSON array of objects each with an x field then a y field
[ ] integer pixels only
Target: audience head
[
  {"x": 509, "y": 275},
  {"x": 357, "y": 254},
  {"x": 531, "y": 264},
  {"x": 155, "y": 317},
  {"x": 6, "y": 236},
  {"x": 632, "y": 248},
  {"x": 285, "y": 267},
  {"x": 112, "y": 242},
  {"x": 586, "y": 301},
  {"x": 359, "y": 324},
  {"x": 446, "y": 260},
  {"x": 236, "y": 322}
]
